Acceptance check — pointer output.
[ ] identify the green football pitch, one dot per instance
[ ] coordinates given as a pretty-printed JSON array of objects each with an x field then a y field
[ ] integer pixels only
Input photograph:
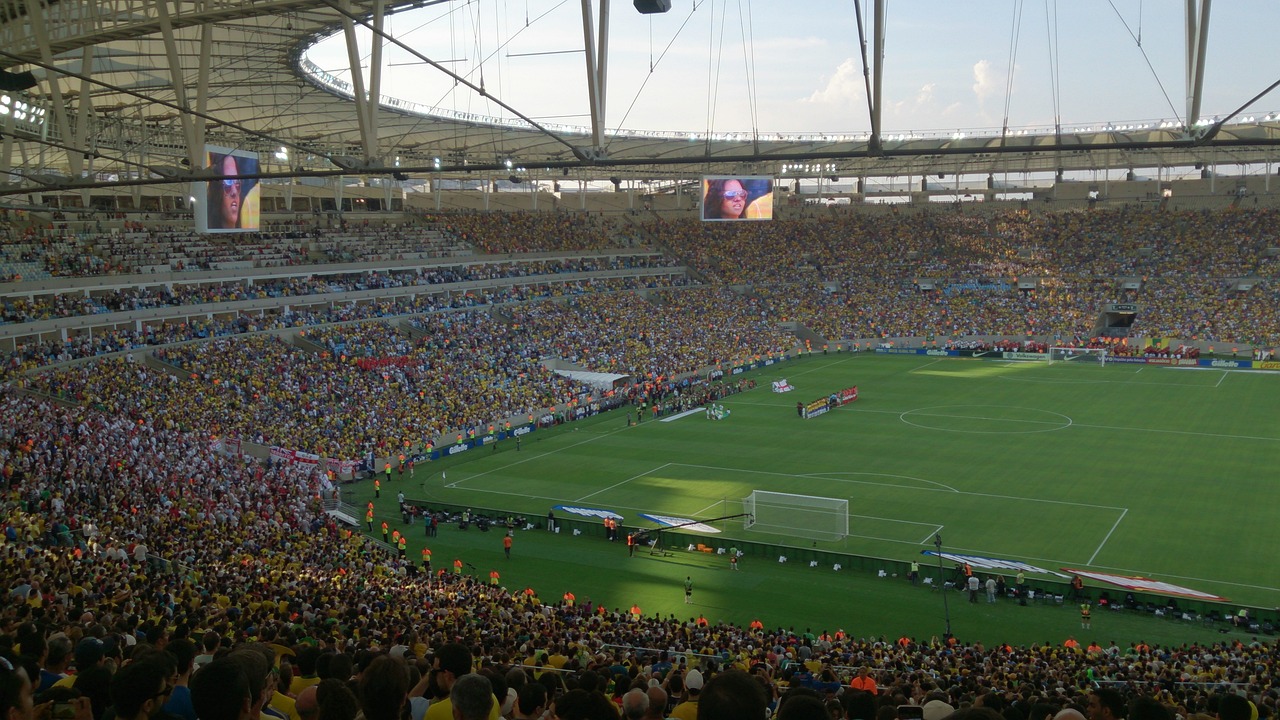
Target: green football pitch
[{"x": 1127, "y": 470}]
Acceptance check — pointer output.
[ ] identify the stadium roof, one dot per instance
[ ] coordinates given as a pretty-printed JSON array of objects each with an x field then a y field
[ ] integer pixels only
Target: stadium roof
[{"x": 143, "y": 85}]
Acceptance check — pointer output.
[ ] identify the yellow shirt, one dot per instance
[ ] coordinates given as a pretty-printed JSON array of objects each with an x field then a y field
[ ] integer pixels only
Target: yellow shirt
[{"x": 443, "y": 710}]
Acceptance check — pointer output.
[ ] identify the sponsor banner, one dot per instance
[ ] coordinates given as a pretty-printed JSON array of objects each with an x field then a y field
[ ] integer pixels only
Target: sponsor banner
[
  {"x": 942, "y": 353},
  {"x": 1124, "y": 359},
  {"x": 472, "y": 443},
  {"x": 814, "y": 410},
  {"x": 898, "y": 351},
  {"x": 682, "y": 523},
  {"x": 1226, "y": 363},
  {"x": 588, "y": 512},
  {"x": 1142, "y": 584},
  {"x": 1268, "y": 365},
  {"x": 1025, "y": 356},
  {"x": 1164, "y": 361},
  {"x": 989, "y": 563}
]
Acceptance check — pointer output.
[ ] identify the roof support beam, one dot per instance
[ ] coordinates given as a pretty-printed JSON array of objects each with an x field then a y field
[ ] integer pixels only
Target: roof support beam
[
  {"x": 193, "y": 136},
  {"x": 1197, "y": 48},
  {"x": 597, "y": 62},
  {"x": 40, "y": 29},
  {"x": 375, "y": 73},
  {"x": 364, "y": 115},
  {"x": 84, "y": 115}
]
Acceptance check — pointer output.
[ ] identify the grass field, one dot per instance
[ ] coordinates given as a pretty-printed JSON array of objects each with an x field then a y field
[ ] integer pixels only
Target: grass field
[{"x": 1131, "y": 470}]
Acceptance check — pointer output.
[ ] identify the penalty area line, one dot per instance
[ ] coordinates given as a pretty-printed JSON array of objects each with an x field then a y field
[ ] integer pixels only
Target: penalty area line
[
  {"x": 1108, "y": 537},
  {"x": 622, "y": 482},
  {"x": 937, "y": 529}
]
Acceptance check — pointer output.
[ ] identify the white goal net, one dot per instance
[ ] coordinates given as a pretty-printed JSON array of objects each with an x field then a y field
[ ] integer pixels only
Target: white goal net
[
  {"x": 806, "y": 516},
  {"x": 1096, "y": 356}
]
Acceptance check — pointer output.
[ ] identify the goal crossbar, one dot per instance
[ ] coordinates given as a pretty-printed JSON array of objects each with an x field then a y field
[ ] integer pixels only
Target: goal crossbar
[
  {"x": 1069, "y": 354},
  {"x": 807, "y": 516}
]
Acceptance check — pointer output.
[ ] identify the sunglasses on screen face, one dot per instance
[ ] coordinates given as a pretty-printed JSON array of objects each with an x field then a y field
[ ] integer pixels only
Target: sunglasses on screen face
[{"x": 736, "y": 195}]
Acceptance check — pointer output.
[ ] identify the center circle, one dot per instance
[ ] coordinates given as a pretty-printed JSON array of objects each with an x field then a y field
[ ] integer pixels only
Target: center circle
[{"x": 985, "y": 419}]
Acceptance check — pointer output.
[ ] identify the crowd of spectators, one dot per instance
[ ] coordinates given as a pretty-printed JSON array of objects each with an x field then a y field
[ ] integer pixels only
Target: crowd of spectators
[
  {"x": 29, "y": 355},
  {"x": 131, "y": 549},
  {"x": 443, "y": 373},
  {"x": 19, "y": 308},
  {"x": 859, "y": 274},
  {"x": 673, "y": 332}
]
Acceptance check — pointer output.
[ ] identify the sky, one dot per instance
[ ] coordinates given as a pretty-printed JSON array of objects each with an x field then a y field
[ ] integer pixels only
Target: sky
[{"x": 783, "y": 66}]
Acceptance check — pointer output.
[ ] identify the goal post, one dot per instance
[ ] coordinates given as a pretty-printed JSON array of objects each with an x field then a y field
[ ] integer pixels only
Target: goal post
[
  {"x": 1078, "y": 355},
  {"x": 806, "y": 516}
]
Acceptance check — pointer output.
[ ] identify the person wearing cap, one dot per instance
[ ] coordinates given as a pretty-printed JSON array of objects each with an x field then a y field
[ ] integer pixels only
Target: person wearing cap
[
  {"x": 936, "y": 706},
  {"x": 688, "y": 710},
  {"x": 88, "y": 654}
]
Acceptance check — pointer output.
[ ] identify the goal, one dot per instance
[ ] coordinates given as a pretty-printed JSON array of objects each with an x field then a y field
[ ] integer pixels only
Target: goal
[
  {"x": 1078, "y": 355},
  {"x": 806, "y": 516}
]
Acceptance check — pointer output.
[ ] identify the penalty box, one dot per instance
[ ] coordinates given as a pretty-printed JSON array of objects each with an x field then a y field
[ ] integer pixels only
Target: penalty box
[{"x": 882, "y": 507}]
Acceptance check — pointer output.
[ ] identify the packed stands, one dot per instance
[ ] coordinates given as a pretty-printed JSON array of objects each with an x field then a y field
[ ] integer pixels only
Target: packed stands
[{"x": 123, "y": 523}]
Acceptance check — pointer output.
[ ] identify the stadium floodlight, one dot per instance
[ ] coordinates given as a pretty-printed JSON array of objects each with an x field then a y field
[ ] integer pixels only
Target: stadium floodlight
[{"x": 806, "y": 516}]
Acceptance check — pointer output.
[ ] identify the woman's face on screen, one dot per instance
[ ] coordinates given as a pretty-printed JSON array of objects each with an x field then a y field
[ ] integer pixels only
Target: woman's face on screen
[
  {"x": 231, "y": 190},
  {"x": 733, "y": 200}
]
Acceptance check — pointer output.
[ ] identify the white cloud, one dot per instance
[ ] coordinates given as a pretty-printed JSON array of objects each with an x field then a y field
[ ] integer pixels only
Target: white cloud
[
  {"x": 985, "y": 81},
  {"x": 842, "y": 88}
]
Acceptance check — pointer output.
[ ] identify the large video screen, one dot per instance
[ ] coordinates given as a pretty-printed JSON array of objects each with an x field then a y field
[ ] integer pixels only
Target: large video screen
[
  {"x": 734, "y": 197},
  {"x": 232, "y": 204}
]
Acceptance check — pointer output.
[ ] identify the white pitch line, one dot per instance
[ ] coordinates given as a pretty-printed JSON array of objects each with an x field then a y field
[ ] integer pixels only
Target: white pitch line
[
  {"x": 975, "y": 551},
  {"x": 623, "y": 482},
  {"x": 686, "y": 413},
  {"x": 1108, "y": 537},
  {"x": 929, "y": 538},
  {"x": 535, "y": 456},
  {"x": 928, "y": 364},
  {"x": 1104, "y": 427},
  {"x": 1224, "y": 377},
  {"x": 888, "y": 519},
  {"x": 703, "y": 510},
  {"x": 904, "y": 487}
]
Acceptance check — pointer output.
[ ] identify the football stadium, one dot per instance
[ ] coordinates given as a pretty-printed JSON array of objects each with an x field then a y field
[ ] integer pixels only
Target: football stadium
[{"x": 358, "y": 365}]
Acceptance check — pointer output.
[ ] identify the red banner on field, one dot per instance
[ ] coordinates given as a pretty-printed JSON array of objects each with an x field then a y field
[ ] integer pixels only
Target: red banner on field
[{"x": 1142, "y": 584}]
